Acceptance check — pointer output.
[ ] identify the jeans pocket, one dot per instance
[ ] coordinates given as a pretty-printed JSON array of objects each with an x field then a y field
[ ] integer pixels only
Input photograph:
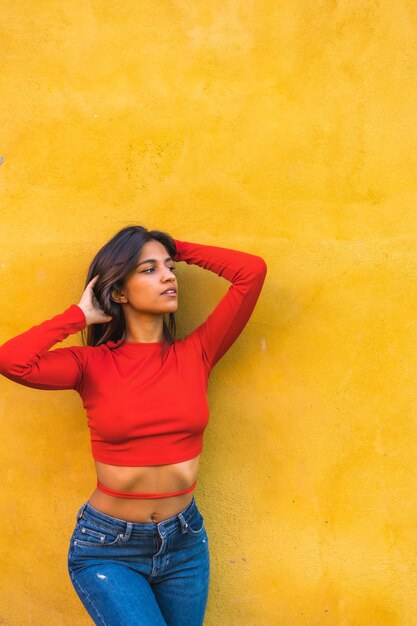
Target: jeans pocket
[{"x": 93, "y": 535}]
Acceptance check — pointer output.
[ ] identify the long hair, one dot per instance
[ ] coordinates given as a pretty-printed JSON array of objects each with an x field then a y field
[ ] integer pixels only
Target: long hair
[{"x": 113, "y": 262}]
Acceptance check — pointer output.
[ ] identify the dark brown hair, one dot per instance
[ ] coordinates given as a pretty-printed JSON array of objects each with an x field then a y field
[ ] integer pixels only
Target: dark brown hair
[{"x": 113, "y": 262}]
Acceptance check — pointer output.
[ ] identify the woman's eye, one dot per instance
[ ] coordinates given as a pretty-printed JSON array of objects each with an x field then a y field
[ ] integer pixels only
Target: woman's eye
[{"x": 151, "y": 269}]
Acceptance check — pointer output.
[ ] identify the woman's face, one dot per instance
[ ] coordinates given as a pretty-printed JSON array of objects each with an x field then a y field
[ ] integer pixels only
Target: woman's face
[{"x": 153, "y": 275}]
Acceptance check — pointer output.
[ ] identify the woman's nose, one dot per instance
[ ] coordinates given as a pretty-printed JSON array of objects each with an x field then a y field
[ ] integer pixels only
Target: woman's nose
[{"x": 167, "y": 274}]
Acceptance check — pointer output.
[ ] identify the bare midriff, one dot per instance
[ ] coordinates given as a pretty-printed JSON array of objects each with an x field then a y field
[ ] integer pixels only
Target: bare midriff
[{"x": 149, "y": 479}]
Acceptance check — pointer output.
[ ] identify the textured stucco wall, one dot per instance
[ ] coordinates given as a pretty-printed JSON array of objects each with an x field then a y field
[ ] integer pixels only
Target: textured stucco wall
[{"x": 283, "y": 128}]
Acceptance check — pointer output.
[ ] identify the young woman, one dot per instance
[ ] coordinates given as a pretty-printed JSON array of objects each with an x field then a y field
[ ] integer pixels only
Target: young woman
[{"x": 138, "y": 555}]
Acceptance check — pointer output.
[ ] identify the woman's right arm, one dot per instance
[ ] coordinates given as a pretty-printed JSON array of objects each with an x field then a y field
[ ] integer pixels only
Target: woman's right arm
[{"x": 26, "y": 359}]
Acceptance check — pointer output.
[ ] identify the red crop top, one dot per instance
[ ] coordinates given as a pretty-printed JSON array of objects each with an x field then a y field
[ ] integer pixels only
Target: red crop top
[{"x": 142, "y": 410}]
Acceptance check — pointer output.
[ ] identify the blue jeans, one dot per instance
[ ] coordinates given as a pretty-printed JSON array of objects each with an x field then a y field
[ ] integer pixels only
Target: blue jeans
[{"x": 134, "y": 574}]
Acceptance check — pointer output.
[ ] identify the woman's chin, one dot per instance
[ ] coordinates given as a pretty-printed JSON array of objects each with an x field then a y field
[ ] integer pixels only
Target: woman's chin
[{"x": 171, "y": 308}]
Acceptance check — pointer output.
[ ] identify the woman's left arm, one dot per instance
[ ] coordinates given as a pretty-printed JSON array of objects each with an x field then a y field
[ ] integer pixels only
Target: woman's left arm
[{"x": 247, "y": 274}]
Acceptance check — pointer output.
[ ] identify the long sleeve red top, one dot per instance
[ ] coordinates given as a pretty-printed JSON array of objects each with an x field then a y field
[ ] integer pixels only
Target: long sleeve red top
[{"x": 141, "y": 409}]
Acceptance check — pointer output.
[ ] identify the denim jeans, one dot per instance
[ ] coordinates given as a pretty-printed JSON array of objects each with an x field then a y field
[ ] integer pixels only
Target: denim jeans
[{"x": 141, "y": 574}]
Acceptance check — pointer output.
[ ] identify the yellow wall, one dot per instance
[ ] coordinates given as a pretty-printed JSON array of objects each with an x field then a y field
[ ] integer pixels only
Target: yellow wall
[{"x": 287, "y": 129}]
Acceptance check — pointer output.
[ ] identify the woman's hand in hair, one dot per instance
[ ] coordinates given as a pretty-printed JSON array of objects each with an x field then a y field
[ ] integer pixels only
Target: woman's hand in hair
[{"x": 89, "y": 304}]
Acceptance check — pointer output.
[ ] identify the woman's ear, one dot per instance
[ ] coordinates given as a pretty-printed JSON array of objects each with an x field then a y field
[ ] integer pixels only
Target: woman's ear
[{"x": 115, "y": 296}]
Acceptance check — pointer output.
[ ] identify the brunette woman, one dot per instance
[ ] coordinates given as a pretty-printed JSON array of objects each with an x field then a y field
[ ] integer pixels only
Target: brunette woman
[{"x": 139, "y": 553}]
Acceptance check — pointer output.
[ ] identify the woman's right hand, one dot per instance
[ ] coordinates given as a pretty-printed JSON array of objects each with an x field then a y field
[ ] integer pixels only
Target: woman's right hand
[{"x": 89, "y": 304}]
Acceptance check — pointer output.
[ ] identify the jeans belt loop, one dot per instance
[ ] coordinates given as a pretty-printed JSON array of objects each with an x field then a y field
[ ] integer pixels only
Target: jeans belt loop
[
  {"x": 183, "y": 523},
  {"x": 81, "y": 511},
  {"x": 128, "y": 532}
]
